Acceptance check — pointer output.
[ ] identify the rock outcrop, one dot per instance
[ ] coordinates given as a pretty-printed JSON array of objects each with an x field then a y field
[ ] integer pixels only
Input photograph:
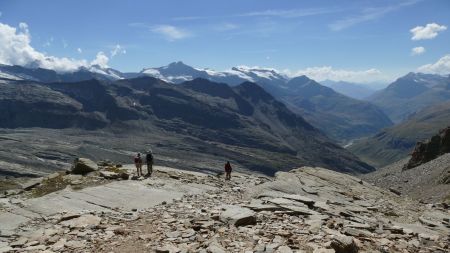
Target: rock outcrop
[
  {"x": 434, "y": 147},
  {"x": 83, "y": 166}
]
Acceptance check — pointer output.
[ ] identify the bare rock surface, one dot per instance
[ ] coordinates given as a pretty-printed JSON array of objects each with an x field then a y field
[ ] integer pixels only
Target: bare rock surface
[{"x": 304, "y": 210}]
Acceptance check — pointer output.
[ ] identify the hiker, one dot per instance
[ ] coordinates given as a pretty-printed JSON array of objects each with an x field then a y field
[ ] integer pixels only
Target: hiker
[
  {"x": 138, "y": 164},
  {"x": 149, "y": 161},
  {"x": 228, "y": 171}
]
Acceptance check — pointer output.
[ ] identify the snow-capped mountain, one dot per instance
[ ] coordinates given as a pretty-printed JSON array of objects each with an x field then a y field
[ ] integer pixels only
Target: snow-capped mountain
[
  {"x": 48, "y": 76},
  {"x": 178, "y": 72},
  {"x": 106, "y": 72}
]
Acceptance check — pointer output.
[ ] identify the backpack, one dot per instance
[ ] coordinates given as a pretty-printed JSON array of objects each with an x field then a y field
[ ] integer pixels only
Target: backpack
[{"x": 149, "y": 157}]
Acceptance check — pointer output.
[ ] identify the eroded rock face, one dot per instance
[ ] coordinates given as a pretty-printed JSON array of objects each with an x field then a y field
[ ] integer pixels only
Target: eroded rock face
[{"x": 430, "y": 149}]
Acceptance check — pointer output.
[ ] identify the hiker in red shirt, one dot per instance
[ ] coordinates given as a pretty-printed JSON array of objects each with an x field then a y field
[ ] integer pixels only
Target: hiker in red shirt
[
  {"x": 138, "y": 164},
  {"x": 228, "y": 171}
]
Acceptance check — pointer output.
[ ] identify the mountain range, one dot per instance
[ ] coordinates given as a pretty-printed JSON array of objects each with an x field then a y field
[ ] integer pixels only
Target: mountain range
[
  {"x": 340, "y": 117},
  {"x": 243, "y": 123}
]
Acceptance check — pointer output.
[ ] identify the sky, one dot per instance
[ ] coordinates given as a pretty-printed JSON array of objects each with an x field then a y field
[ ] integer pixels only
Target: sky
[{"x": 360, "y": 41}]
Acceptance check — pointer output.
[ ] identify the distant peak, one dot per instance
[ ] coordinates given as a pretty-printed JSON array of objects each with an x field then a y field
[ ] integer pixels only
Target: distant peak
[{"x": 178, "y": 64}]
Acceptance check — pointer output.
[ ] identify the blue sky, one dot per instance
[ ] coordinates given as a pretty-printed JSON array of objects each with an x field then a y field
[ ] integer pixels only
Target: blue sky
[{"x": 369, "y": 39}]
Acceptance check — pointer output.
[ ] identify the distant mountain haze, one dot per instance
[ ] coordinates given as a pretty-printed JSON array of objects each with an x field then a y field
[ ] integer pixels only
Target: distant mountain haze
[
  {"x": 411, "y": 93},
  {"x": 395, "y": 143},
  {"x": 353, "y": 90}
]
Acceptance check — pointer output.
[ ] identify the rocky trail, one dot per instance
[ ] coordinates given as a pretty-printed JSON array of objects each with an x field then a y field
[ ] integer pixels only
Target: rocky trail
[{"x": 304, "y": 210}]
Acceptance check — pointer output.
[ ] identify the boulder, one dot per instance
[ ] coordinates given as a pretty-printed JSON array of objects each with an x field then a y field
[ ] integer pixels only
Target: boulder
[
  {"x": 84, "y": 166},
  {"x": 344, "y": 244},
  {"x": 238, "y": 216}
]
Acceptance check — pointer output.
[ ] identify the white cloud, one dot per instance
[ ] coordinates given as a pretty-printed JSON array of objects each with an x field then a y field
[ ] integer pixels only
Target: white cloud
[
  {"x": 329, "y": 73},
  {"x": 101, "y": 60},
  {"x": 286, "y": 13},
  {"x": 368, "y": 14},
  {"x": 430, "y": 31},
  {"x": 16, "y": 49},
  {"x": 118, "y": 49},
  {"x": 417, "y": 50},
  {"x": 170, "y": 32},
  {"x": 79, "y": 50},
  {"x": 441, "y": 67}
]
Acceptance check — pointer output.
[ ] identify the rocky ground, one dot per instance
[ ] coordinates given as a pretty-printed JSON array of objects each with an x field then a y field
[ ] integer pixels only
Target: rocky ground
[
  {"x": 305, "y": 210},
  {"x": 429, "y": 182}
]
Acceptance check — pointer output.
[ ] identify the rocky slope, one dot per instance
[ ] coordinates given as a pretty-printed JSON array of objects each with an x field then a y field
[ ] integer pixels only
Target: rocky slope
[
  {"x": 428, "y": 182},
  {"x": 412, "y": 93},
  {"x": 430, "y": 149},
  {"x": 305, "y": 210},
  {"x": 197, "y": 122},
  {"x": 395, "y": 143}
]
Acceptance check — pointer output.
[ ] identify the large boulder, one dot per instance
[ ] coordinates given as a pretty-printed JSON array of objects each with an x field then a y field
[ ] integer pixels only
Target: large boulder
[
  {"x": 344, "y": 244},
  {"x": 238, "y": 216},
  {"x": 83, "y": 166}
]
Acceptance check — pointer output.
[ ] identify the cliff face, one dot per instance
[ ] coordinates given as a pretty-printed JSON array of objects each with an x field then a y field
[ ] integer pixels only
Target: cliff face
[{"x": 430, "y": 149}]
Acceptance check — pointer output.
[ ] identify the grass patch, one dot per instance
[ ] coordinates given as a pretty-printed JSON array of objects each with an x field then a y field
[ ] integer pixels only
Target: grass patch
[
  {"x": 115, "y": 170},
  {"x": 8, "y": 184}
]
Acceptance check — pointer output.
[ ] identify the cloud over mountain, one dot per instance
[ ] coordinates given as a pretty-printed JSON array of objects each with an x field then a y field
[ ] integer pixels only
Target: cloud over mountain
[
  {"x": 16, "y": 49},
  {"x": 330, "y": 73},
  {"x": 441, "y": 67}
]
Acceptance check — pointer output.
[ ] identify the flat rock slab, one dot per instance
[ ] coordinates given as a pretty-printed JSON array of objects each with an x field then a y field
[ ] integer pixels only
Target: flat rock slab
[
  {"x": 119, "y": 195},
  {"x": 125, "y": 195},
  {"x": 9, "y": 222}
]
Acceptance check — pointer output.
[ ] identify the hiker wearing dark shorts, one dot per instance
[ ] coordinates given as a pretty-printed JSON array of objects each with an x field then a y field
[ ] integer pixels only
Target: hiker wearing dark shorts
[
  {"x": 138, "y": 164},
  {"x": 149, "y": 161},
  {"x": 228, "y": 170}
]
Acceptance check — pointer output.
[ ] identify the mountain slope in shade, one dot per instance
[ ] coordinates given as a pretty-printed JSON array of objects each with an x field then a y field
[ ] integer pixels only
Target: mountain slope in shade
[
  {"x": 353, "y": 90},
  {"x": 412, "y": 93},
  {"x": 206, "y": 120},
  {"x": 395, "y": 143},
  {"x": 339, "y": 116}
]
